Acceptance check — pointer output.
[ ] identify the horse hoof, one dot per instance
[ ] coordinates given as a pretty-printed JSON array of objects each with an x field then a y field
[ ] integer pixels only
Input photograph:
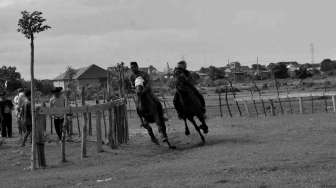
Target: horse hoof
[
  {"x": 205, "y": 129},
  {"x": 155, "y": 141}
]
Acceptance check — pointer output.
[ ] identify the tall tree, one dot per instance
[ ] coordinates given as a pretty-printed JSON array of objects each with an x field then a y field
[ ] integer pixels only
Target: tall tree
[{"x": 29, "y": 25}]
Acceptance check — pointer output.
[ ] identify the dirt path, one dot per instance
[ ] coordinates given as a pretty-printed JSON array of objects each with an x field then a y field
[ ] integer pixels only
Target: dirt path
[{"x": 287, "y": 151}]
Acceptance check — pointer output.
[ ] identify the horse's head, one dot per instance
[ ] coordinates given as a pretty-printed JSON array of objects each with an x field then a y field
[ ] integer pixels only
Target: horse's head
[{"x": 139, "y": 85}]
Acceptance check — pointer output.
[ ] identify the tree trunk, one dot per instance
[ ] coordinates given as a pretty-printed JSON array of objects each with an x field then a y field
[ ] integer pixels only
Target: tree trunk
[{"x": 33, "y": 151}]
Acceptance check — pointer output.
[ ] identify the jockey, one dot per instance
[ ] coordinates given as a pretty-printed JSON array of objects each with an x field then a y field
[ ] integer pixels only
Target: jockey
[
  {"x": 146, "y": 79},
  {"x": 182, "y": 72}
]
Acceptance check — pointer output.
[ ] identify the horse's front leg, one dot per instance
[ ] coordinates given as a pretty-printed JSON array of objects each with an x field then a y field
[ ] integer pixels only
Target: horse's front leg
[
  {"x": 163, "y": 131},
  {"x": 186, "y": 128},
  {"x": 150, "y": 132},
  {"x": 197, "y": 129}
]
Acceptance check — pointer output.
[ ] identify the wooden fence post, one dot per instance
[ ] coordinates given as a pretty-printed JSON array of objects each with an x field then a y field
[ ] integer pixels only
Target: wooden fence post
[
  {"x": 90, "y": 123},
  {"x": 263, "y": 106},
  {"x": 272, "y": 107},
  {"x": 300, "y": 105},
  {"x": 281, "y": 107},
  {"x": 41, "y": 121},
  {"x": 105, "y": 129},
  {"x": 325, "y": 100},
  {"x": 334, "y": 102},
  {"x": 290, "y": 105},
  {"x": 246, "y": 108},
  {"x": 227, "y": 101},
  {"x": 112, "y": 141},
  {"x": 125, "y": 124},
  {"x": 312, "y": 103},
  {"x": 77, "y": 116},
  {"x": 98, "y": 132},
  {"x": 51, "y": 124},
  {"x": 220, "y": 104},
  {"x": 83, "y": 145},
  {"x": 64, "y": 127},
  {"x": 255, "y": 107}
]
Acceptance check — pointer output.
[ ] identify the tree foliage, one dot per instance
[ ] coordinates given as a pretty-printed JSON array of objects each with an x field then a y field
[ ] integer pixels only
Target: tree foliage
[
  {"x": 328, "y": 65},
  {"x": 31, "y": 23},
  {"x": 216, "y": 73},
  {"x": 279, "y": 70}
]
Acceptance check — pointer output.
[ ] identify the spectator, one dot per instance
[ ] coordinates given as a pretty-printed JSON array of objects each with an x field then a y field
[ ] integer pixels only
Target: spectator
[
  {"x": 19, "y": 100},
  {"x": 6, "y": 107},
  {"x": 27, "y": 117},
  {"x": 58, "y": 101}
]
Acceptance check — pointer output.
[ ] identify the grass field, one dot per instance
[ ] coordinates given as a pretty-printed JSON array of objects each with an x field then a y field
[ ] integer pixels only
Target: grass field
[{"x": 282, "y": 151}]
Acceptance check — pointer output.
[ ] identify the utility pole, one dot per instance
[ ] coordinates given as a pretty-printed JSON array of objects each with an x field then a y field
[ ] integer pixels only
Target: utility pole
[
  {"x": 312, "y": 51},
  {"x": 258, "y": 66}
]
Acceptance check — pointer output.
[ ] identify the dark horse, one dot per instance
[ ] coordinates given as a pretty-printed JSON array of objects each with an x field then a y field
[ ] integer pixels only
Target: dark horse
[
  {"x": 150, "y": 111},
  {"x": 188, "y": 105}
]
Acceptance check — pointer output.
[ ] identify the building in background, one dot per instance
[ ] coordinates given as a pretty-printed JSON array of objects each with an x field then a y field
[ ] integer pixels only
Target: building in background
[{"x": 91, "y": 76}]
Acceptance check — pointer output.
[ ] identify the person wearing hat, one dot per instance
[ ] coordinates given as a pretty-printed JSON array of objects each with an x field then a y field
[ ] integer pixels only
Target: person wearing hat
[
  {"x": 6, "y": 107},
  {"x": 182, "y": 72},
  {"x": 58, "y": 101}
]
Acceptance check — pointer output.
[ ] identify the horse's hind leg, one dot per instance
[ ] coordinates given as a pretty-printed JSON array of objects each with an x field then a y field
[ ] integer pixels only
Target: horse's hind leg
[
  {"x": 151, "y": 134},
  {"x": 186, "y": 132},
  {"x": 197, "y": 129},
  {"x": 204, "y": 126}
]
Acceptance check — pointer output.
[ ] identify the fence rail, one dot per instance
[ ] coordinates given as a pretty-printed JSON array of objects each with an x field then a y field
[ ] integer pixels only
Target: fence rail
[{"x": 116, "y": 122}]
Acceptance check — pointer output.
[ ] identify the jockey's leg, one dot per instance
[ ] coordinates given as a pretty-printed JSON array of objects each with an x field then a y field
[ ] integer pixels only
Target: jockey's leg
[{"x": 178, "y": 106}]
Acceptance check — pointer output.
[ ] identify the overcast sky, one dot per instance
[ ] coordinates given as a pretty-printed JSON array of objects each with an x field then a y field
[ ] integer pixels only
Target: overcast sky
[{"x": 204, "y": 33}]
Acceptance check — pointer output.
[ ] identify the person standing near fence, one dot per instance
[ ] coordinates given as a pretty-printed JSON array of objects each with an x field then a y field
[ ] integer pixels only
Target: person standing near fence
[
  {"x": 26, "y": 117},
  {"x": 18, "y": 101},
  {"x": 58, "y": 101},
  {"x": 6, "y": 107}
]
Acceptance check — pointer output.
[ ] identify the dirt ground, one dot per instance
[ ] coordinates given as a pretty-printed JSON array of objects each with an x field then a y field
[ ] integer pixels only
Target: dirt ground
[{"x": 283, "y": 151}]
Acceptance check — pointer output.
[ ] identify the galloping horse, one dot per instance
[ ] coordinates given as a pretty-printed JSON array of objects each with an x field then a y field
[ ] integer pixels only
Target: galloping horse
[
  {"x": 188, "y": 106},
  {"x": 150, "y": 111}
]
